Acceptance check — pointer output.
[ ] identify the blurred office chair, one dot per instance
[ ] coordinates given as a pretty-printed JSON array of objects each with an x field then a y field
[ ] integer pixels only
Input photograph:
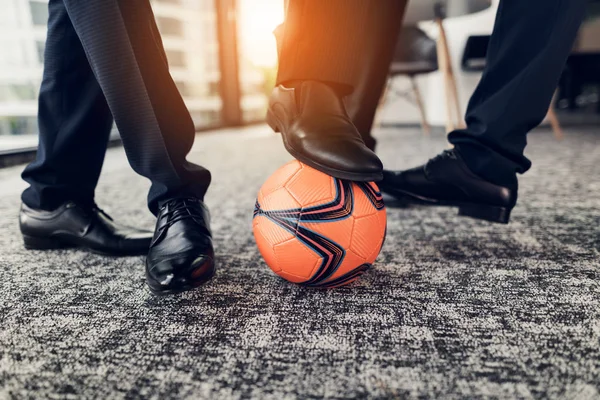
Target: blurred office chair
[
  {"x": 473, "y": 60},
  {"x": 415, "y": 54}
]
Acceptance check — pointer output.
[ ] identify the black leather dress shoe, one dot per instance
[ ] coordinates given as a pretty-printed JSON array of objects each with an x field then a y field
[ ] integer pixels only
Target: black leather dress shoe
[
  {"x": 72, "y": 225},
  {"x": 181, "y": 255},
  {"x": 317, "y": 131},
  {"x": 446, "y": 181}
]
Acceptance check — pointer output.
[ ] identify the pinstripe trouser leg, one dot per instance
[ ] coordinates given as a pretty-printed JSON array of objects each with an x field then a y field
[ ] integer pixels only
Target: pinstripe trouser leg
[
  {"x": 124, "y": 50},
  {"x": 527, "y": 53},
  {"x": 73, "y": 118}
]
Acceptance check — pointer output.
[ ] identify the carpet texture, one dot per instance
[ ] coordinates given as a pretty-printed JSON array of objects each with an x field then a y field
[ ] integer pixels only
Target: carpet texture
[{"x": 454, "y": 307}]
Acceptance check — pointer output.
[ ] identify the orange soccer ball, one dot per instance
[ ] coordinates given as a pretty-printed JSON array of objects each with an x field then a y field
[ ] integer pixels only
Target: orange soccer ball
[{"x": 317, "y": 230}]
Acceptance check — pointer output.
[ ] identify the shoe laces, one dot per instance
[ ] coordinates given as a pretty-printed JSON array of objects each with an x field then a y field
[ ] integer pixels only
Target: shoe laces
[
  {"x": 445, "y": 154},
  {"x": 181, "y": 209},
  {"x": 101, "y": 211},
  {"x": 88, "y": 210}
]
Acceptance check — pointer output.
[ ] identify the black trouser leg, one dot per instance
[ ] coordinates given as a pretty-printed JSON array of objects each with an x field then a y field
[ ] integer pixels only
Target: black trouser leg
[
  {"x": 330, "y": 40},
  {"x": 122, "y": 44},
  {"x": 528, "y": 49},
  {"x": 74, "y": 122}
]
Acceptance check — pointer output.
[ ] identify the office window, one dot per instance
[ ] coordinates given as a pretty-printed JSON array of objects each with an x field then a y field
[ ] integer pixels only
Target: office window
[
  {"x": 210, "y": 32},
  {"x": 39, "y": 13},
  {"x": 257, "y": 54},
  {"x": 176, "y": 58},
  {"x": 214, "y": 88},
  {"x": 207, "y": 4},
  {"x": 206, "y": 118},
  {"x": 170, "y": 26},
  {"x": 22, "y": 54},
  {"x": 19, "y": 125},
  {"x": 7, "y": 15},
  {"x": 182, "y": 87},
  {"x": 17, "y": 92},
  {"x": 40, "y": 46},
  {"x": 12, "y": 54},
  {"x": 212, "y": 64}
]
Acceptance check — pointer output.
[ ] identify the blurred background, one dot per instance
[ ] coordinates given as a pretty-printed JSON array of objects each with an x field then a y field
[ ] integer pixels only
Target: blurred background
[
  {"x": 194, "y": 34},
  {"x": 455, "y": 307},
  {"x": 223, "y": 58}
]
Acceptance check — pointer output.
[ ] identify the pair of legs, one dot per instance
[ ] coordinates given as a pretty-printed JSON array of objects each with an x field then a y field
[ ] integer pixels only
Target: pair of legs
[
  {"x": 350, "y": 43},
  {"x": 104, "y": 59}
]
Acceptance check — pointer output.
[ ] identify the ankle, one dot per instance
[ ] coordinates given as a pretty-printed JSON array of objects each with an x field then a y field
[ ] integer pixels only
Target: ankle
[{"x": 496, "y": 176}]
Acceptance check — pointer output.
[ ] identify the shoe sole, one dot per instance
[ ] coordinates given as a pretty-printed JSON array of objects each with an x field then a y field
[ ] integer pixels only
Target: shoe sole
[
  {"x": 198, "y": 281},
  {"x": 274, "y": 123},
  {"x": 500, "y": 215},
  {"x": 45, "y": 243}
]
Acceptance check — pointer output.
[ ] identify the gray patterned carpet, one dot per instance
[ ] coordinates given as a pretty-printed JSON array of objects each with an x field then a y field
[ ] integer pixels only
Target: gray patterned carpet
[{"x": 455, "y": 308}]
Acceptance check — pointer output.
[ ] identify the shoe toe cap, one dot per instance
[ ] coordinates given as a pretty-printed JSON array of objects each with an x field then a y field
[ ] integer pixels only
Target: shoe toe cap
[{"x": 179, "y": 273}]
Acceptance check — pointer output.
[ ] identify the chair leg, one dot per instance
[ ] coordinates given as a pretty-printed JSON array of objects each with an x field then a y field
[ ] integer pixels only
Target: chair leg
[
  {"x": 452, "y": 91},
  {"x": 444, "y": 64},
  {"x": 419, "y": 100},
  {"x": 554, "y": 122},
  {"x": 460, "y": 124}
]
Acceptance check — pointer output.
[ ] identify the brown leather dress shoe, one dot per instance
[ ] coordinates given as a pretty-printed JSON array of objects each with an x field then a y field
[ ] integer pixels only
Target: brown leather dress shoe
[{"x": 317, "y": 131}]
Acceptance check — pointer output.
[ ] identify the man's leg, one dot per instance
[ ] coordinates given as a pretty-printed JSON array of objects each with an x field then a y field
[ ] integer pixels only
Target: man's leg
[
  {"x": 528, "y": 49},
  {"x": 527, "y": 53},
  {"x": 125, "y": 52},
  {"x": 58, "y": 208},
  {"x": 322, "y": 57},
  {"x": 74, "y": 122},
  {"x": 368, "y": 87}
]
